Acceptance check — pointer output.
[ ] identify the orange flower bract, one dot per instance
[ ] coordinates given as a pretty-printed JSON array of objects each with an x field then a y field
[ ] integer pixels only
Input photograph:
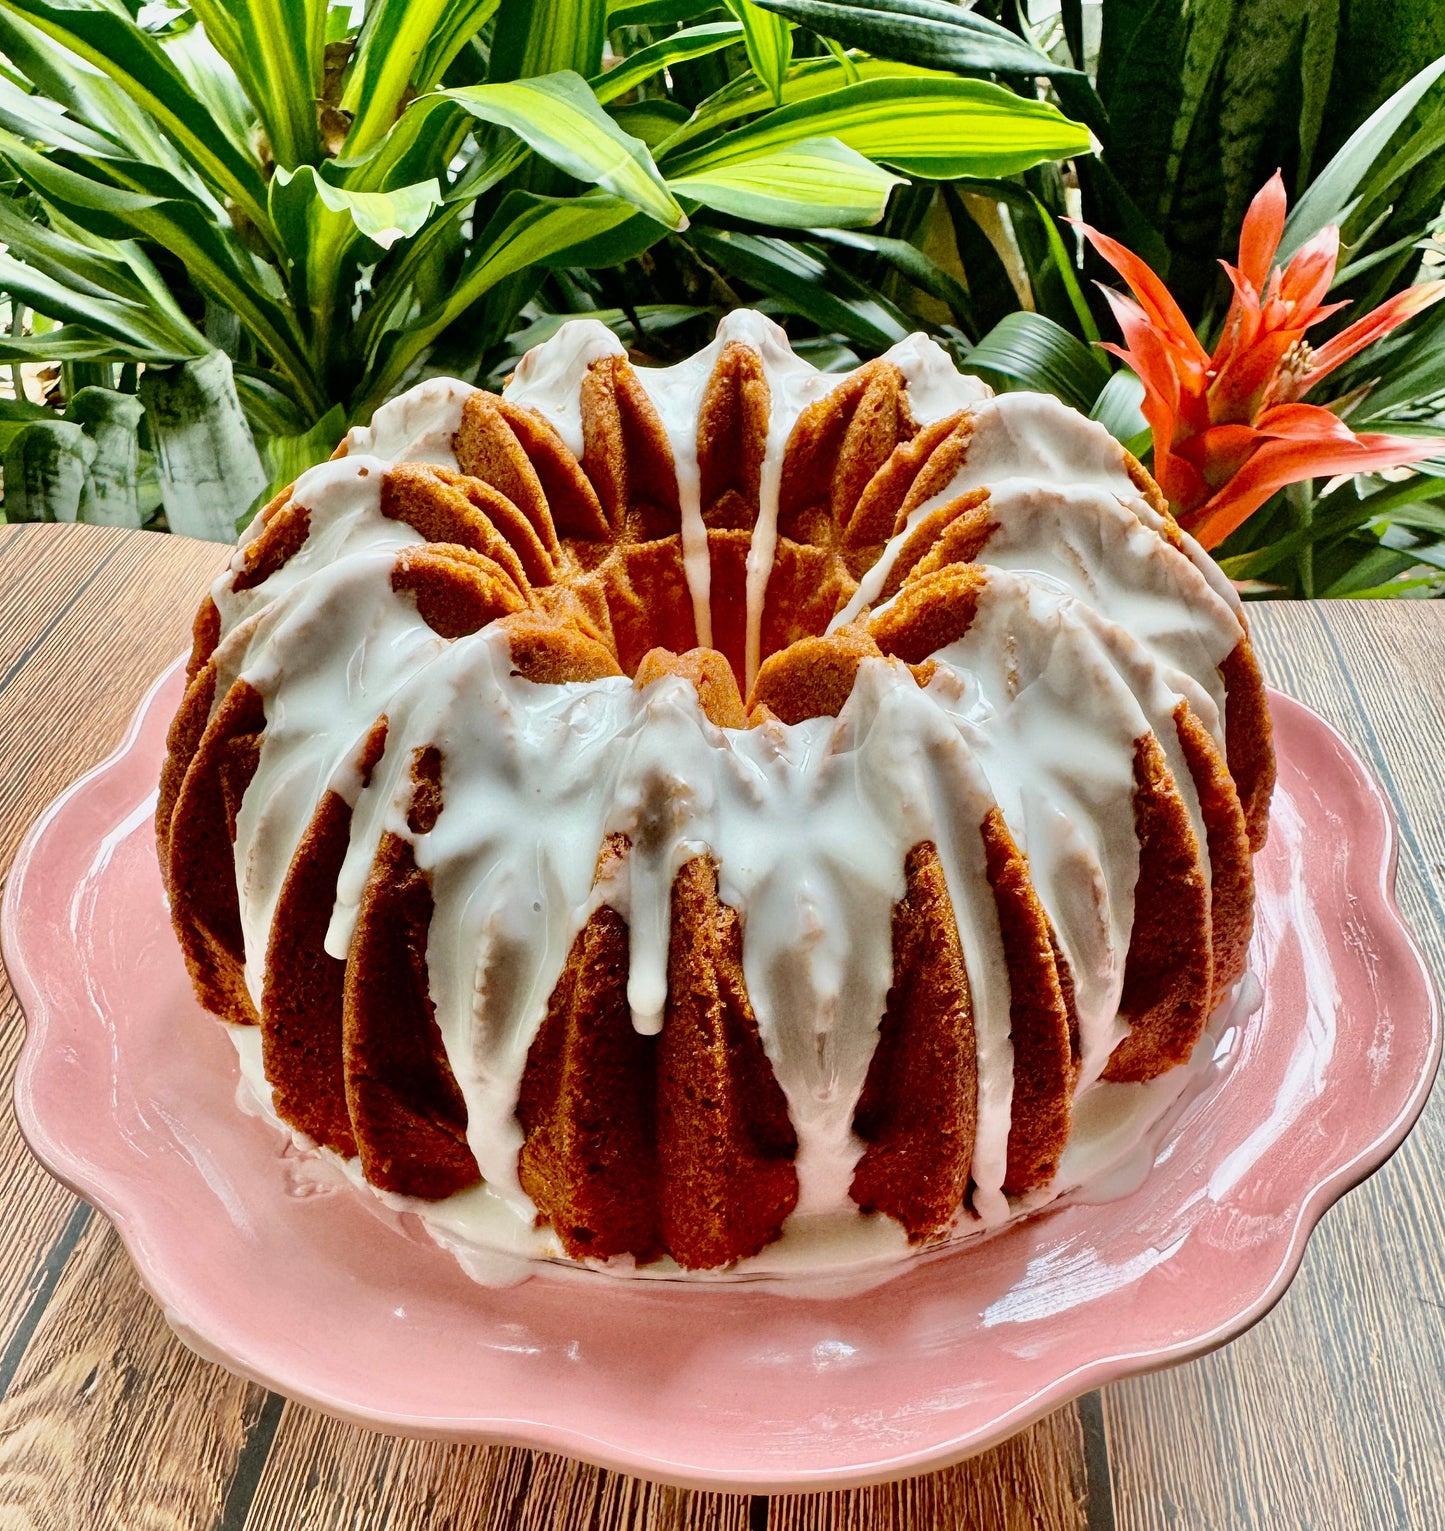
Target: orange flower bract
[{"x": 1229, "y": 428}]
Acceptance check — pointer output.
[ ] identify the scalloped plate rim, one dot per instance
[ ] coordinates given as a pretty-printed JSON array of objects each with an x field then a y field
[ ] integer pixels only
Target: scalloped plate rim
[{"x": 168, "y": 1290}]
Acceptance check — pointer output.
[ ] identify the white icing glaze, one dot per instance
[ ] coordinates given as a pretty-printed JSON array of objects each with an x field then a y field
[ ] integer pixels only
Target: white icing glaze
[
  {"x": 416, "y": 426},
  {"x": 1089, "y": 631},
  {"x": 936, "y": 387},
  {"x": 548, "y": 376}
]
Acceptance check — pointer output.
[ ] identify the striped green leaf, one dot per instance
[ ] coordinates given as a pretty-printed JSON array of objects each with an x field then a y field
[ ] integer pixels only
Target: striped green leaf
[
  {"x": 558, "y": 117},
  {"x": 911, "y": 263},
  {"x": 129, "y": 323},
  {"x": 213, "y": 258},
  {"x": 769, "y": 41},
  {"x": 806, "y": 79},
  {"x": 403, "y": 44},
  {"x": 31, "y": 115},
  {"x": 206, "y": 459},
  {"x": 807, "y": 282},
  {"x": 325, "y": 224},
  {"x": 931, "y": 32},
  {"x": 276, "y": 49},
  {"x": 107, "y": 39},
  {"x": 72, "y": 343},
  {"x": 94, "y": 101},
  {"x": 460, "y": 24},
  {"x": 934, "y": 127},
  {"x": 380, "y": 216},
  {"x": 815, "y": 181},
  {"x": 526, "y": 229},
  {"x": 86, "y": 264},
  {"x": 655, "y": 13},
  {"x": 288, "y": 457},
  {"x": 540, "y": 37},
  {"x": 690, "y": 43}
]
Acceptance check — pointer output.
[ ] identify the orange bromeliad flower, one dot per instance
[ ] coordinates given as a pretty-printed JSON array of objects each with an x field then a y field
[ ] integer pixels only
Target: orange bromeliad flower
[{"x": 1229, "y": 429}]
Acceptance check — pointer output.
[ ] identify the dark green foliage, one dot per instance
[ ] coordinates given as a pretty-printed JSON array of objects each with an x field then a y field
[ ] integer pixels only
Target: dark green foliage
[{"x": 285, "y": 217}]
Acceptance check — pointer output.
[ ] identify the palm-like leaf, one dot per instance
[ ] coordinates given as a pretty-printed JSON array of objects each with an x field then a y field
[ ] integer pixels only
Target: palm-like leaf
[{"x": 271, "y": 226}]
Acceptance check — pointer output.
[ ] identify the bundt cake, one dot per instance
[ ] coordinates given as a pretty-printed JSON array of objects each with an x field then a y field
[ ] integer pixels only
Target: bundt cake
[{"x": 656, "y": 817}]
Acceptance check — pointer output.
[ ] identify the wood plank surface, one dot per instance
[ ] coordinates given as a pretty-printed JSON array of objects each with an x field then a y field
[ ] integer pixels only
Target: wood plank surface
[
  {"x": 1330, "y": 1414},
  {"x": 86, "y": 614}
]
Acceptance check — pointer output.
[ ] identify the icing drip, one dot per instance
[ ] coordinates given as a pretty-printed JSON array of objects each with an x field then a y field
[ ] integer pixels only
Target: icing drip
[
  {"x": 549, "y": 376},
  {"x": 676, "y": 394},
  {"x": 1088, "y": 633},
  {"x": 793, "y": 384}
]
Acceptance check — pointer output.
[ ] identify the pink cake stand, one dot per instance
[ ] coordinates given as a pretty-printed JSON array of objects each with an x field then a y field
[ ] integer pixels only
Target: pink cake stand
[{"x": 127, "y": 1093}]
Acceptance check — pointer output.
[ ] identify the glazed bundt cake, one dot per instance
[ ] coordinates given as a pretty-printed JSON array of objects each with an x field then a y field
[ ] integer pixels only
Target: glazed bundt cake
[{"x": 652, "y": 816}]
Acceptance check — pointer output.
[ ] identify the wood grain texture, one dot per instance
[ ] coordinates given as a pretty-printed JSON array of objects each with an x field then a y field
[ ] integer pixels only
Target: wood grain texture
[
  {"x": 1328, "y": 1415},
  {"x": 333, "y": 1477},
  {"x": 109, "y": 1420},
  {"x": 87, "y": 616}
]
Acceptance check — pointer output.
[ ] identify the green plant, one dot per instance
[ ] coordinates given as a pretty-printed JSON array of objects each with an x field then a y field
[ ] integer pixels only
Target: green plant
[
  {"x": 1194, "y": 104},
  {"x": 254, "y": 220}
]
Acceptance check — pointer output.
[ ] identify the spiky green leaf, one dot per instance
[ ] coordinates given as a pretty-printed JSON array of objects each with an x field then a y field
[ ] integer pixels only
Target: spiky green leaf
[
  {"x": 930, "y": 32},
  {"x": 383, "y": 217},
  {"x": 525, "y": 230},
  {"x": 542, "y": 37},
  {"x": 276, "y": 49},
  {"x": 807, "y": 282},
  {"x": 1027, "y": 350},
  {"x": 1334, "y": 189},
  {"x": 690, "y": 43},
  {"x": 106, "y": 38}
]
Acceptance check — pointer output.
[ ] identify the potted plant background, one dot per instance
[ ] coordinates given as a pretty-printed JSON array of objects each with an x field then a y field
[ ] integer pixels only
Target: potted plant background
[{"x": 234, "y": 227}]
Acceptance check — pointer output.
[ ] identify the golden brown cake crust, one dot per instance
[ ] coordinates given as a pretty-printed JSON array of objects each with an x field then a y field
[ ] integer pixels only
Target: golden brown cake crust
[
  {"x": 1231, "y": 867},
  {"x": 709, "y": 672},
  {"x": 726, "y": 1180},
  {"x": 918, "y": 1112},
  {"x": 1038, "y": 1017},
  {"x": 1168, "y": 976},
  {"x": 200, "y": 868},
  {"x": 302, "y": 999},
  {"x": 677, "y": 1143},
  {"x": 408, "y": 1115},
  {"x": 732, "y": 430},
  {"x": 681, "y": 1143},
  {"x": 930, "y": 613},
  {"x": 1249, "y": 738},
  {"x": 813, "y": 678},
  {"x": 590, "y": 1153},
  {"x": 182, "y": 741}
]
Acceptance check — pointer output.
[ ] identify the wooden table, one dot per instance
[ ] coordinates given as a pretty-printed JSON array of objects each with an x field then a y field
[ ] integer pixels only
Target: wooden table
[{"x": 1328, "y": 1415}]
